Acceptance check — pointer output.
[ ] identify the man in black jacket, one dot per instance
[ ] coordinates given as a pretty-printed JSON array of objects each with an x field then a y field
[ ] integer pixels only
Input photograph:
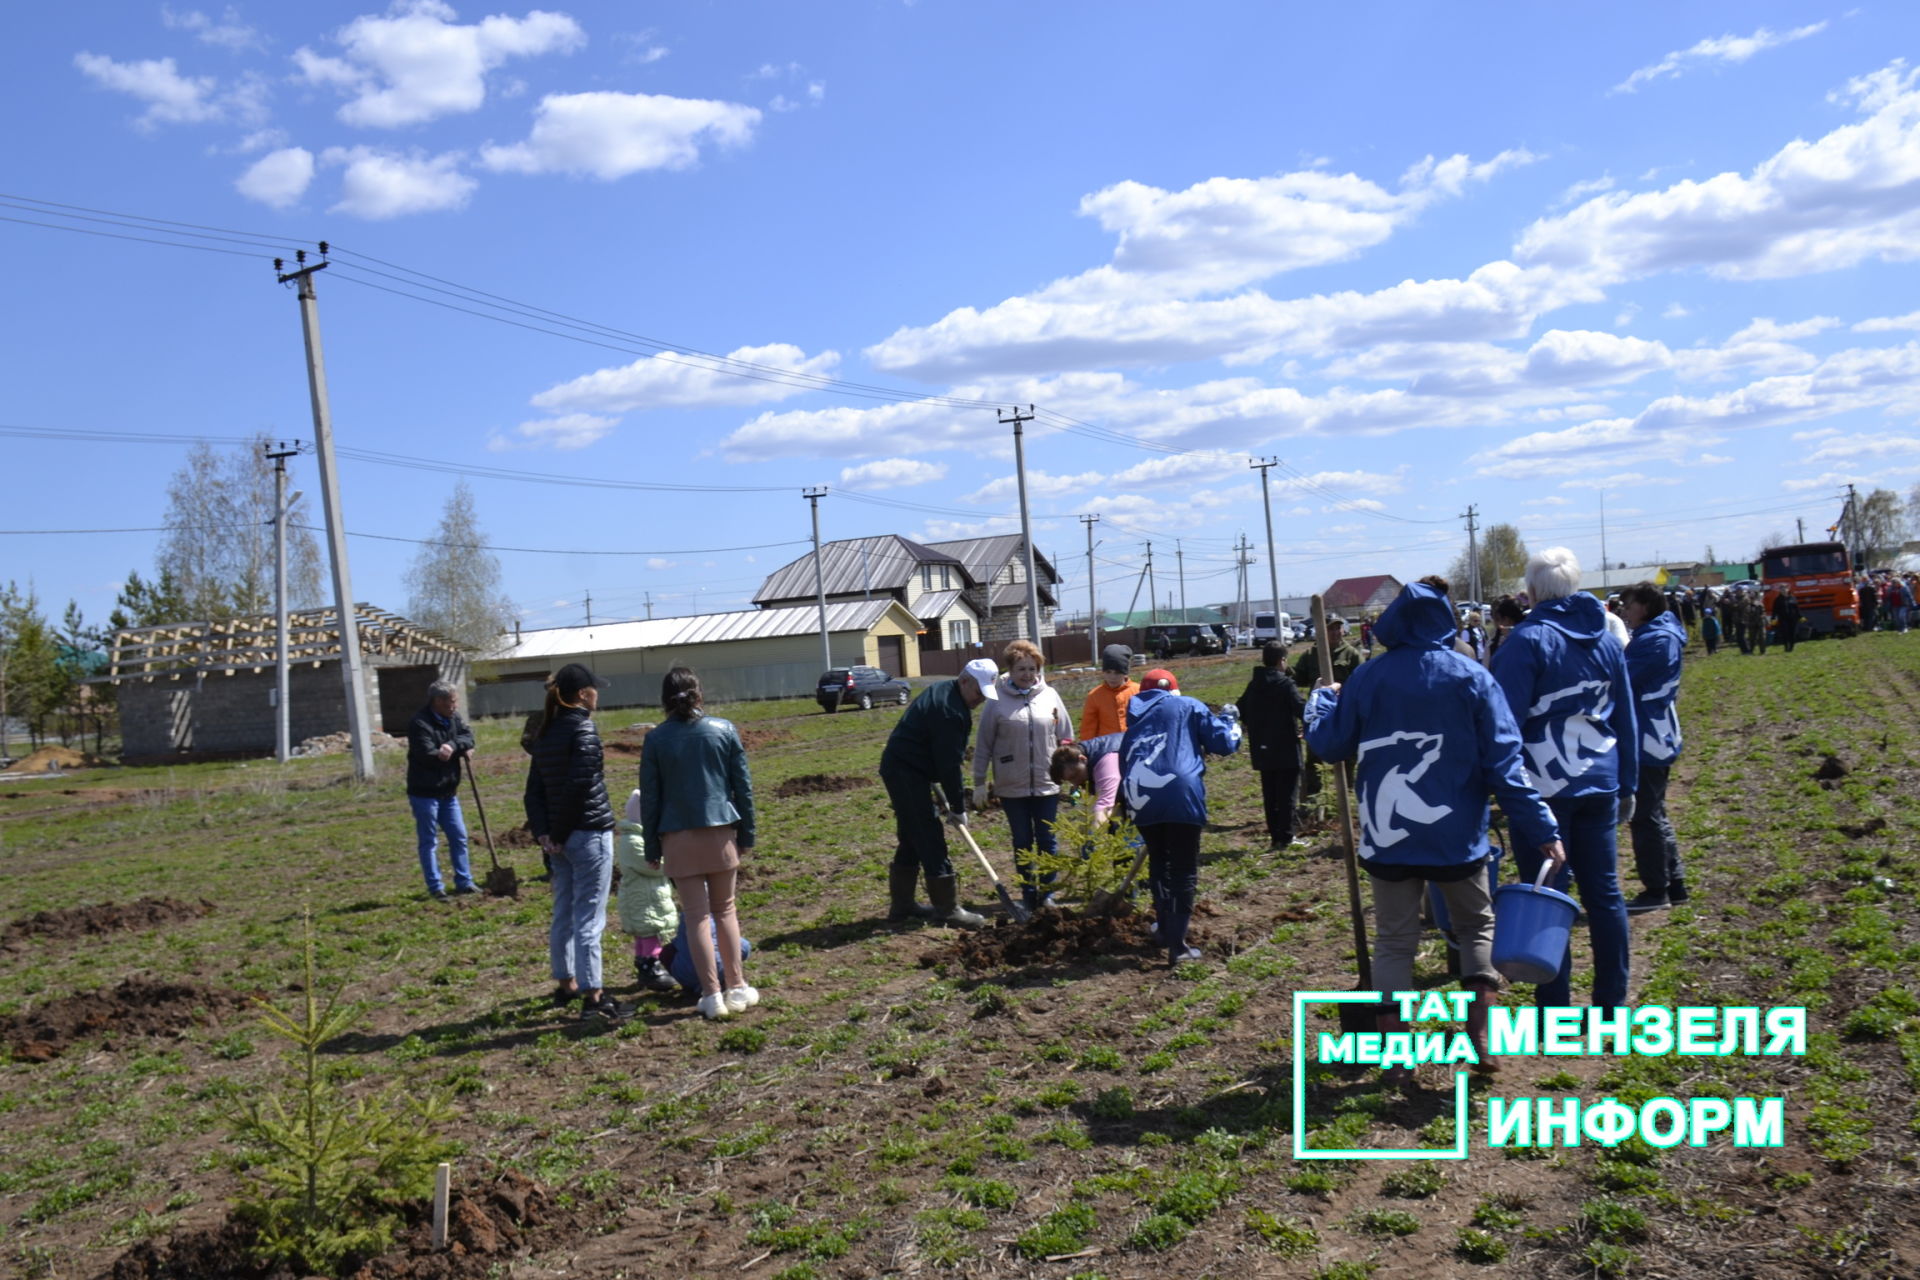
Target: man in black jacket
[
  {"x": 437, "y": 742},
  {"x": 925, "y": 749},
  {"x": 1270, "y": 711}
]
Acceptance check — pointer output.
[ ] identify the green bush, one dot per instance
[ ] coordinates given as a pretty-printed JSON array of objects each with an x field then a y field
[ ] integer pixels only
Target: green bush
[
  {"x": 1414, "y": 1183},
  {"x": 1114, "y": 1104},
  {"x": 1158, "y": 1233},
  {"x": 1384, "y": 1222},
  {"x": 1288, "y": 1237},
  {"x": 1481, "y": 1247},
  {"x": 1063, "y": 1231}
]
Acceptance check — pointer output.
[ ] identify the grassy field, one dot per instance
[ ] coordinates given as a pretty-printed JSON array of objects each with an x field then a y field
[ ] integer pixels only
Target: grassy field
[{"x": 879, "y": 1117}]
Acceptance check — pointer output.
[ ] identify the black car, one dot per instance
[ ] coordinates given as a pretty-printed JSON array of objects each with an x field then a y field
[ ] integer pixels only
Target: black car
[
  {"x": 1191, "y": 638},
  {"x": 862, "y": 686}
]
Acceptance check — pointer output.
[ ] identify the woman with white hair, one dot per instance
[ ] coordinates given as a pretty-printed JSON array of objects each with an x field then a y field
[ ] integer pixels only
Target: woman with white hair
[{"x": 1566, "y": 683}]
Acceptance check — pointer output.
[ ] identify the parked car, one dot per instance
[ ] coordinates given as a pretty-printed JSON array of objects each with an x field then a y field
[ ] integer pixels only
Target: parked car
[
  {"x": 861, "y": 686},
  {"x": 1192, "y": 638}
]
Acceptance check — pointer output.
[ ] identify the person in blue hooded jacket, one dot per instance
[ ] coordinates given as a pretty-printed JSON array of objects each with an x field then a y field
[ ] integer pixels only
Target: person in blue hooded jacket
[
  {"x": 1163, "y": 784},
  {"x": 1567, "y": 687},
  {"x": 1654, "y": 658},
  {"x": 1433, "y": 736}
]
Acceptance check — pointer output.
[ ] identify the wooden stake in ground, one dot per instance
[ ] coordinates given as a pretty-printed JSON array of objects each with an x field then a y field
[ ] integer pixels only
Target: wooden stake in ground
[
  {"x": 442, "y": 1181},
  {"x": 1353, "y": 1017}
]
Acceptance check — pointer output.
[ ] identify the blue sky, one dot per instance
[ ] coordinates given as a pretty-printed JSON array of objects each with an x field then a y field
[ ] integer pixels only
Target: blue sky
[{"x": 1527, "y": 258}]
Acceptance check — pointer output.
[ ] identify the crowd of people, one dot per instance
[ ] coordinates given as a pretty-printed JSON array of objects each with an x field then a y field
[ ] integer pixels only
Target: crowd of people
[{"x": 1534, "y": 704}]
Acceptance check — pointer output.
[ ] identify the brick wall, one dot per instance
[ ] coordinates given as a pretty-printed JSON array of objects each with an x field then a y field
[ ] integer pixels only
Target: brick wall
[{"x": 234, "y": 713}]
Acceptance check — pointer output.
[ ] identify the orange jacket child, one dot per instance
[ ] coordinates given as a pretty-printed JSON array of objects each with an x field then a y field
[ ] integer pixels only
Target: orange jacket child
[{"x": 1105, "y": 710}]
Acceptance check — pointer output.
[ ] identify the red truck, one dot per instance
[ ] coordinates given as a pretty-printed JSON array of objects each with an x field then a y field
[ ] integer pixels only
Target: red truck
[{"x": 1821, "y": 579}]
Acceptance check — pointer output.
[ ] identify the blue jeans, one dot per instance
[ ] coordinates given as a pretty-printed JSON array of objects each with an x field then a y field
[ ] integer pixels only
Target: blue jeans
[
  {"x": 430, "y": 812},
  {"x": 1587, "y": 831},
  {"x": 582, "y": 874},
  {"x": 1030, "y": 819}
]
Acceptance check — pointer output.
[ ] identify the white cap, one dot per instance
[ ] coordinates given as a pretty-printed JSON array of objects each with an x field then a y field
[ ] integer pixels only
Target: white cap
[{"x": 984, "y": 673}]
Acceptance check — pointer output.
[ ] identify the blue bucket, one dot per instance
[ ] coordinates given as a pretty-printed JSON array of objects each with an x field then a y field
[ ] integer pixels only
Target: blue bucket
[{"x": 1530, "y": 927}]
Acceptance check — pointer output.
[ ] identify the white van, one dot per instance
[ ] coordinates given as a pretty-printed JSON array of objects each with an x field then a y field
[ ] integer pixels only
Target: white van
[{"x": 1264, "y": 628}]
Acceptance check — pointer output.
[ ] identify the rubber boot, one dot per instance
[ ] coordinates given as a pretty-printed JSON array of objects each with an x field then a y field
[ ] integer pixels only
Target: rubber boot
[
  {"x": 1483, "y": 993},
  {"x": 901, "y": 882},
  {"x": 1387, "y": 1021},
  {"x": 945, "y": 892}
]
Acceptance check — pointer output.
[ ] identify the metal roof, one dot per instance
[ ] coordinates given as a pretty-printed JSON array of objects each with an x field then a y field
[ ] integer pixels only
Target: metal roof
[
  {"x": 986, "y": 557},
  {"x": 883, "y": 563},
  {"x": 935, "y": 603},
  {"x": 1351, "y": 593},
  {"x": 1014, "y": 594},
  {"x": 705, "y": 628}
]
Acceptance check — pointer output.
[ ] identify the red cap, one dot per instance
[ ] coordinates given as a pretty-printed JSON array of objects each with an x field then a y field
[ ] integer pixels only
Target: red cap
[{"x": 1160, "y": 678}]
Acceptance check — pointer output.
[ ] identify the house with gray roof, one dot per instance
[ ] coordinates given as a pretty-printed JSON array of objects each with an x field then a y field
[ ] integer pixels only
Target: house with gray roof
[
  {"x": 999, "y": 566},
  {"x": 932, "y": 584}
]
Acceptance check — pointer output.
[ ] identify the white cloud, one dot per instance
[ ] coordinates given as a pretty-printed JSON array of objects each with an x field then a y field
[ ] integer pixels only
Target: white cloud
[
  {"x": 815, "y": 94},
  {"x": 657, "y": 381},
  {"x": 1865, "y": 446},
  {"x": 259, "y": 140},
  {"x": 1041, "y": 486},
  {"x": 1831, "y": 480},
  {"x": 415, "y": 63},
  {"x": 1727, "y": 48},
  {"x": 568, "y": 432},
  {"x": 1549, "y": 501},
  {"x": 1889, "y": 324},
  {"x": 227, "y": 31},
  {"x": 1581, "y": 190},
  {"x": 658, "y": 563},
  {"x": 1765, "y": 346},
  {"x": 1845, "y": 198},
  {"x": 1621, "y": 480},
  {"x": 610, "y": 135},
  {"x": 1675, "y": 311},
  {"x": 643, "y": 47},
  {"x": 171, "y": 98},
  {"x": 279, "y": 178},
  {"x": 386, "y": 184},
  {"x": 892, "y": 473}
]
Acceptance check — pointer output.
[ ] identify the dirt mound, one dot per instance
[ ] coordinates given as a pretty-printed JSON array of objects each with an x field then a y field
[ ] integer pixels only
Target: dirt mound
[
  {"x": 52, "y": 760},
  {"x": 335, "y": 744},
  {"x": 105, "y": 917},
  {"x": 518, "y": 838},
  {"x": 754, "y": 739},
  {"x": 137, "y": 1007},
  {"x": 1830, "y": 769},
  {"x": 1871, "y": 827},
  {"x": 1052, "y": 936},
  {"x": 814, "y": 784},
  {"x": 487, "y": 1223}
]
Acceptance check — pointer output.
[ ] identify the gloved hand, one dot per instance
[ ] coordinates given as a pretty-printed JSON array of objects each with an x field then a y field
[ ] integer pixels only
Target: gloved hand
[
  {"x": 957, "y": 817},
  {"x": 1230, "y": 712},
  {"x": 1626, "y": 809}
]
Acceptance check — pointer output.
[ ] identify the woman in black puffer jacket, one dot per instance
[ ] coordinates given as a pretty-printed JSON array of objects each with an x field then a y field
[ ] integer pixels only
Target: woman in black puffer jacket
[{"x": 567, "y": 810}]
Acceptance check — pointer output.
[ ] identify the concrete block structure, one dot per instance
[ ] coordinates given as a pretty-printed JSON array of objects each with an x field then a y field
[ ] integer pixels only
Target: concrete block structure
[{"x": 201, "y": 689}]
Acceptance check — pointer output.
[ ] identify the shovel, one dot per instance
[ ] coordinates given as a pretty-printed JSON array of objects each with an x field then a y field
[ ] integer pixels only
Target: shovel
[
  {"x": 1353, "y": 1017},
  {"x": 501, "y": 881},
  {"x": 1014, "y": 909},
  {"x": 1118, "y": 902}
]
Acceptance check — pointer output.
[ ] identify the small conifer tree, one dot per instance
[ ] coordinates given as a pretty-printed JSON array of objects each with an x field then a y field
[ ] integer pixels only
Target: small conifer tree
[{"x": 328, "y": 1173}]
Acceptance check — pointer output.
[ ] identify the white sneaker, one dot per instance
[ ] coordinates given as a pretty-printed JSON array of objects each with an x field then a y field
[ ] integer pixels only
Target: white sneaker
[
  {"x": 714, "y": 1007},
  {"x": 741, "y": 998}
]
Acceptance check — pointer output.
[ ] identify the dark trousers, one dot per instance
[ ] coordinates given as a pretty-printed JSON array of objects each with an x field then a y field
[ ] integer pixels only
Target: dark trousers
[
  {"x": 1278, "y": 784},
  {"x": 1173, "y": 873},
  {"x": 1787, "y": 636},
  {"x": 921, "y": 838},
  {"x": 1740, "y": 638},
  {"x": 1587, "y": 831},
  {"x": 1656, "y": 853}
]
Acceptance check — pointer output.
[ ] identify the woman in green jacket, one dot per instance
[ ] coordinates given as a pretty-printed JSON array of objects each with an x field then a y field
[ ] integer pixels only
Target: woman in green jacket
[{"x": 696, "y": 808}]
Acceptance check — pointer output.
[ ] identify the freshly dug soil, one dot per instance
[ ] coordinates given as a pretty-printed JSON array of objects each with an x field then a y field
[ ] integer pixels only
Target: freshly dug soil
[
  {"x": 137, "y": 1007},
  {"x": 813, "y": 784},
  {"x": 754, "y": 739},
  {"x": 518, "y": 838},
  {"x": 1054, "y": 935},
  {"x": 105, "y": 917},
  {"x": 47, "y": 759},
  {"x": 487, "y": 1223},
  {"x": 1830, "y": 769}
]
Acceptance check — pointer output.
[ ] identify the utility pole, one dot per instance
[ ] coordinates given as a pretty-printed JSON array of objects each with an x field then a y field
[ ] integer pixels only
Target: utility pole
[
  {"x": 1180, "y": 560},
  {"x": 1016, "y": 420},
  {"x": 1153, "y": 603},
  {"x": 1855, "y": 552},
  {"x": 1799, "y": 528},
  {"x": 589, "y": 604},
  {"x": 1473, "y": 553},
  {"x": 352, "y": 662},
  {"x": 280, "y": 451},
  {"x": 1273, "y": 564},
  {"x": 1093, "y": 609},
  {"x": 1603, "y": 535},
  {"x": 813, "y": 497},
  {"x": 649, "y": 606}
]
